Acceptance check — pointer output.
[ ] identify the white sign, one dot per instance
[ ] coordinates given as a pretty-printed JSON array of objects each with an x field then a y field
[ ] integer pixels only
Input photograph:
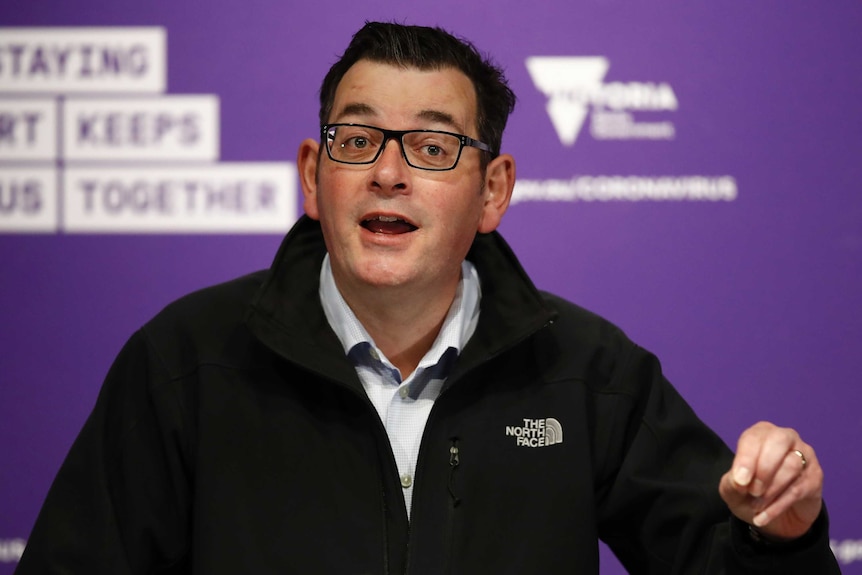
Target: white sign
[
  {"x": 177, "y": 127},
  {"x": 63, "y": 60},
  {"x": 28, "y": 199},
  {"x": 28, "y": 129},
  {"x": 228, "y": 197}
]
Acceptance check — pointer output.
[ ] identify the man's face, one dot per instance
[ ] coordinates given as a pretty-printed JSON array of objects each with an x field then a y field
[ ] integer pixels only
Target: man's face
[{"x": 388, "y": 224}]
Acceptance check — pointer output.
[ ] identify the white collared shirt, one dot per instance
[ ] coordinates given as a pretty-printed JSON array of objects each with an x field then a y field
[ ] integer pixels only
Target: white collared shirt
[{"x": 403, "y": 405}]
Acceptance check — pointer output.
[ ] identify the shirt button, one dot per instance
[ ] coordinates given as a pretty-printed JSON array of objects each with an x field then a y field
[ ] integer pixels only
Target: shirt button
[
  {"x": 403, "y": 391},
  {"x": 374, "y": 355},
  {"x": 406, "y": 481}
]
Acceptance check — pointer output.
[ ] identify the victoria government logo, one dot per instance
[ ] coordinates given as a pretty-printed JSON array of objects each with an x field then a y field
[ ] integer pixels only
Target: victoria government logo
[
  {"x": 578, "y": 95},
  {"x": 575, "y": 90}
]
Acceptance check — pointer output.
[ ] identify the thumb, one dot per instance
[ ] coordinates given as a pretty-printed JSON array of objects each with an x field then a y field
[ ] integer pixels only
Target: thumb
[{"x": 736, "y": 497}]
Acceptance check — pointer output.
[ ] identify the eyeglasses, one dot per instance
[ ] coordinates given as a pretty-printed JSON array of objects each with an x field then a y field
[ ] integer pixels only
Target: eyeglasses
[{"x": 422, "y": 149}]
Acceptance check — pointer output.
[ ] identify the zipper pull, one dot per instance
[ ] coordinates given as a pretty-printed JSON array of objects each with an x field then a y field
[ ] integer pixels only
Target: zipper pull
[{"x": 454, "y": 461}]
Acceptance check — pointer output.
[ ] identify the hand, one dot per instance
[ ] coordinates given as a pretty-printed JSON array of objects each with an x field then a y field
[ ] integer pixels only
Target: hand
[{"x": 770, "y": 485}]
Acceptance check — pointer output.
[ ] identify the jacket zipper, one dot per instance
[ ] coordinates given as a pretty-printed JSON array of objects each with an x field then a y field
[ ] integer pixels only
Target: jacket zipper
[
  {"x": 454, "y": 501},
  {"x": 454, "y": 461}
]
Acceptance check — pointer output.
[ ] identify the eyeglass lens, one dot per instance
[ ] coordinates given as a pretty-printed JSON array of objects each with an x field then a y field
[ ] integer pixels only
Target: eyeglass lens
[{"x": 423, "y": 149}]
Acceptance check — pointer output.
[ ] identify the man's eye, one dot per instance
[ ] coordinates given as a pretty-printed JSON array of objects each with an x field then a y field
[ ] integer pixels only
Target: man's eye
[
  {"x": 357, "y": 142},
  {"x": 433, "y": 150}
]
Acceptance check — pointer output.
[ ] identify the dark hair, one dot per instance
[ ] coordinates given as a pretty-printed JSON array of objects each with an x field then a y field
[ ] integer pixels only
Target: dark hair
[{"x": 428, "y": 48}]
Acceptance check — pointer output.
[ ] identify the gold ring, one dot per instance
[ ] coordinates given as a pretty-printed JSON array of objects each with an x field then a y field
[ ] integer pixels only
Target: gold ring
[{"x": 801, "y": 457}]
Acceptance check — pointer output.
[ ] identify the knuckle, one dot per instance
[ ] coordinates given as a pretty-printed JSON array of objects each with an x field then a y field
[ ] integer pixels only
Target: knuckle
[
  {"x": 796, "y": 492},
  {"x": 785, "y": 434},
  {"x": 817, "y": 475}
]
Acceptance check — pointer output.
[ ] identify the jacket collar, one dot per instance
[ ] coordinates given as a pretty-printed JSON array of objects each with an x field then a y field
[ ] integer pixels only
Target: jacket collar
[{"x": 286, "y": 314}]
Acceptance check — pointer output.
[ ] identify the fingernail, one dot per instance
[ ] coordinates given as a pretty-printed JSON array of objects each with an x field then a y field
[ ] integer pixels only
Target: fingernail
[
  {"x": 761, "y": 519},
  {"x": 742, "y": 476}
]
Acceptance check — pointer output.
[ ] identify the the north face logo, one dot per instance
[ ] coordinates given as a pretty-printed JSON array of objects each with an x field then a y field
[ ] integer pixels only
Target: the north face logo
[{"x": 536, "y": 432}]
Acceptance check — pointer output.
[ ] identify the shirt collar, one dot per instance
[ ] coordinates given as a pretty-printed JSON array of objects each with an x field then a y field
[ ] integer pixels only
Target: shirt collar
[{"x": 457, "y": 328}]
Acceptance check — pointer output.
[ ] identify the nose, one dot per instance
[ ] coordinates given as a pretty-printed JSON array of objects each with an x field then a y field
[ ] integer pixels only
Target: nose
[{"x": 390, "y": 172}]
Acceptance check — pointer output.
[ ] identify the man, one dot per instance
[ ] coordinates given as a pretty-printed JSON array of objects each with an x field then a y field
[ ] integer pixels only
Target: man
[{"x": 370, "y": 404}]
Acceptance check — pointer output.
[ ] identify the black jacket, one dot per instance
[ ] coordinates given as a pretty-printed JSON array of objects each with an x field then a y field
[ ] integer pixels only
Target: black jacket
[{"x": 233, "y": 436}]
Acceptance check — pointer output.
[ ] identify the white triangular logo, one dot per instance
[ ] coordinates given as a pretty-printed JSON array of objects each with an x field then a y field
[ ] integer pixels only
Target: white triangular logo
[{"x": 570, "y": 83}]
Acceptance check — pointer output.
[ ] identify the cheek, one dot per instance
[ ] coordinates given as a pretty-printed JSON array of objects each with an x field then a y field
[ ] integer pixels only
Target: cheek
[
  {"x": 463, "y": 222},
  {"x": 462, "y": 198},
  {"x": 327, "y": 195}
]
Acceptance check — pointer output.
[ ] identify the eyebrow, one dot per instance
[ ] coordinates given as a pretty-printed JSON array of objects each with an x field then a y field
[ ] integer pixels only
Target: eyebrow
[
  {"x": 436, "y": 116},
  {"x": 356, "y": 109},
  {"x": 439, "y": 117}
]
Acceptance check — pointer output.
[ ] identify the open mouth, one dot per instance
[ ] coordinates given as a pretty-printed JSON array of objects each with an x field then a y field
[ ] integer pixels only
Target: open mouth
[{"x": 388, "y": 225}]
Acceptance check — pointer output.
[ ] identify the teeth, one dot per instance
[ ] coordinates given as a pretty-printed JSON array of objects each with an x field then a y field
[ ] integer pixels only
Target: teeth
[{"x": 387, "y": 218}]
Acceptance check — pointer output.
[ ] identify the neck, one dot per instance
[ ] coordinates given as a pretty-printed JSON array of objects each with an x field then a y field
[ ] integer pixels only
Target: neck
[{"x": 402, "y": 321}]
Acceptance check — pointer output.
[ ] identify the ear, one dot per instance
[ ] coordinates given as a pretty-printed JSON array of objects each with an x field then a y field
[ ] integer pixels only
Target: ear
[
  {"x": 306, "y": 162},
  {"x": 499, "y": 183}
]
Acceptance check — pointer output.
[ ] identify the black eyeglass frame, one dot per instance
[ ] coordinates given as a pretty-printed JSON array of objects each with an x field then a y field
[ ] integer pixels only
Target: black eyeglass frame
[{"x": 398, "y": 135}]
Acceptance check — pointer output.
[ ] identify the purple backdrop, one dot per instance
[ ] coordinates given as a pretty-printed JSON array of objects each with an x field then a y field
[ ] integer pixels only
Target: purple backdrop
[{"x": 696, "y": 180}]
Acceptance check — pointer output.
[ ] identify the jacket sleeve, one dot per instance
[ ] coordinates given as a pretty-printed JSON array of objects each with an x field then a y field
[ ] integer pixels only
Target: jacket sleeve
[
  {"x": 659, "y": 506},
  {"x": 120, "y": 503}
]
